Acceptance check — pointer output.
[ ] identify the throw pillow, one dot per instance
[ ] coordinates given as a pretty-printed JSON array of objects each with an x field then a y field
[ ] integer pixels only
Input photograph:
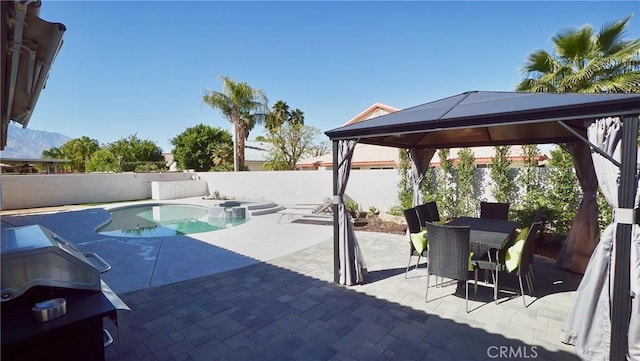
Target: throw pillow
[{"x": 419, "y": 240}]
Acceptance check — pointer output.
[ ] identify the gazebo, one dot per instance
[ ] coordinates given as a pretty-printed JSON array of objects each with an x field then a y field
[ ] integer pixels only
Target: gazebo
[{"x": 600, "y": 131}]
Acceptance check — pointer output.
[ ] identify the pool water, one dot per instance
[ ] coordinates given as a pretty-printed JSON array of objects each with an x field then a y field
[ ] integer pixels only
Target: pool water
[{"x": 158, "y": 220}]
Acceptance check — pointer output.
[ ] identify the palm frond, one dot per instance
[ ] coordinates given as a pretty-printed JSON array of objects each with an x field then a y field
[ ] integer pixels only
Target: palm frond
[
  {"x": 584, "y": 62},
  {"x": 535, "y": 86},
  {"x": 217, "y": 100},
  {"x": 609, "y": 38},
  {"x": 573, "y": 46},
  {"x": 539, "y": 61}
]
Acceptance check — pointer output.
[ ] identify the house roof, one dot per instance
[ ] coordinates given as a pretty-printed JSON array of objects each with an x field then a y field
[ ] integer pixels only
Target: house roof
[
  {"x": 378, "y": 156},
  {"x": 255, "y": 151},
  {"x": 480, "y": 118},
  {"x": 373, "y": 111},
  {"x": 363, "y": 155}
]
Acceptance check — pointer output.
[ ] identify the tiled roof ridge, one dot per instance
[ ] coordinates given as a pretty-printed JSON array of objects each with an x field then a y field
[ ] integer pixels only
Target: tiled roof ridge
[{"x": 358, "y": 118}]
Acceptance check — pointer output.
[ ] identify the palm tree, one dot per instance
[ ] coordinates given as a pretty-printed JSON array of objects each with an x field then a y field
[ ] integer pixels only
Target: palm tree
[
  {"x": 586, "y": 62},
  {"x": 243, "y": 106},
  {"x": 52, "y": 153},
  {"x": 297, "y": 117},
  {"x": 222, "y": 156},
  {"x": 279, "y": 114},
  {"x": 55, "y": 153}
]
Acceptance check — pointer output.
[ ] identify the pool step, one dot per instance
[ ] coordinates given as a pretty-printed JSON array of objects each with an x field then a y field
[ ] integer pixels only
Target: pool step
[
  {"x": 266, "y": 209},
  {"x": 261, "y": 205},
  {"x": 258, "y": 208}
]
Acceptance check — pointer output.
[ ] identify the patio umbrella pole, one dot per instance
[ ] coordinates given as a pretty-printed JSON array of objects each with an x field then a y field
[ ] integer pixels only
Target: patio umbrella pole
[{"x": 621, "y": 303}]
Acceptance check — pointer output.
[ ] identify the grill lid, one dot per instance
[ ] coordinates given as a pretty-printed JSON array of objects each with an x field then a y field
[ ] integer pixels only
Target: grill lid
[{"x": 35, "y": 256}]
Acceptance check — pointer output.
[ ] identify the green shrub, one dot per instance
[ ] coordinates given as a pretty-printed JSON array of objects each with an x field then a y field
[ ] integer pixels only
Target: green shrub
[{"x": 352, "y": 206}]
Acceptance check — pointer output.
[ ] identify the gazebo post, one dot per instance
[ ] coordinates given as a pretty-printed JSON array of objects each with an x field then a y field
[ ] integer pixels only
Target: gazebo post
[
  {"x": 336, "y": 235},
  {"x": 621, "y": 303}
]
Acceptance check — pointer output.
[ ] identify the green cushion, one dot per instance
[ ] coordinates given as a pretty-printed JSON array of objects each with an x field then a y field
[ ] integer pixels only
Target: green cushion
[
  {"x": 512, "y": 258},
  {"x": 419, "y": 240},
  {"x": 470, "y": 261}
]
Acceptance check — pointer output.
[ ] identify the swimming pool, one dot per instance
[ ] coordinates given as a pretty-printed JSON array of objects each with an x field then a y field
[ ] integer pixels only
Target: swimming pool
[{"x": 158, "y": 220}]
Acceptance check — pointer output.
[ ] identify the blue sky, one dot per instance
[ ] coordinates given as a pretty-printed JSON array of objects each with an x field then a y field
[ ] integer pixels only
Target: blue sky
[{"x": 142, "y": 67}]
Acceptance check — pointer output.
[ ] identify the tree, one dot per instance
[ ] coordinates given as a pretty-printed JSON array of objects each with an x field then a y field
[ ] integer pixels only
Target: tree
[
  {"x": 200, "y": 147},
  {"x": 136, "y": 154},
  {"x": 502, "y": 175},
  {"x": 56, "y": 153},
  {"x": 296, "y": 117},
  {"x": 290, "y": 141},
  {"x": 564, "y": 193},
  {"x": 319, "y": 148},
  {"x": 586, "y": 62},
  {"x": 405, "y": 192},
  {"x": 243, "y": 106},
  {"x": 279, "y": 114},
  {"x": 52, "y": 153},
  {"x": 103, "y": 160},
  {"x": 222, "y": 156},
  {"x": 529, "y": 180},
  {"x": 446, "y": 184},
  {"x": 79, "y": 151},
  {"x": 429, "y": 185},
  {"x": 468, "y": 187}
]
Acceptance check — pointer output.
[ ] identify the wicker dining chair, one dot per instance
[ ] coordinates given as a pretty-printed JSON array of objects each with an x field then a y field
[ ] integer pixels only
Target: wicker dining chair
[
  {"x": 523, "y": 262},
  {"x": 413, "y": 228},
  {"x": 494, "y": 210},
  {"x": 448, "y": 255},
  {"x": 428, "y": 212}
]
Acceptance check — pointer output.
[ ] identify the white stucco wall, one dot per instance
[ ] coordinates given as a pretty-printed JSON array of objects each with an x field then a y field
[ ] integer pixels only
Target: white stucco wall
[
  {"x": 43, "y": 190},
  {"x": 377, "y": 188},
  {"x": 368, "y": 187},
  {"x": 178, "y": 189}
]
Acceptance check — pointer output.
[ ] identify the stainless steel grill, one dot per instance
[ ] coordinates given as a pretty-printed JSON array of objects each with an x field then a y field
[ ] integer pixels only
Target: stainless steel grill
[{"x": 53, "y": 297}]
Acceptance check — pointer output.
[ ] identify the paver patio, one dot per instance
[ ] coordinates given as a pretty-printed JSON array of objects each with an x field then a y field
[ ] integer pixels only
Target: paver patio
[
  {"x": 285, "y": 306},
  {"x": 289, "y": 309}
]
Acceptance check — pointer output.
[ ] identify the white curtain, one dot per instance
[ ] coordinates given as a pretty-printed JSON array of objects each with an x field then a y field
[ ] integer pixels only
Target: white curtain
[
  {"x": 352, "y": 267},
  {"x": 588, "y": 324},
  {"x": 420, "y": 159}
]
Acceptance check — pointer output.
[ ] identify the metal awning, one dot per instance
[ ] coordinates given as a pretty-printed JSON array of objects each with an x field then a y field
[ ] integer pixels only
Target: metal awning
[
  {"x": 481, "y": 118},
  {"x": 28, "y": 47}
]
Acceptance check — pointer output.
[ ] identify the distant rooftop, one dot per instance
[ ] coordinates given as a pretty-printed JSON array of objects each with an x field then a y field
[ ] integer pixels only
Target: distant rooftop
[{"x": 256, "y": 151}]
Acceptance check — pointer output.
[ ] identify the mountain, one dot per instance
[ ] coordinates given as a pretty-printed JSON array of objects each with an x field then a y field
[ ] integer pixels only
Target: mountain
[{"x": 29, "y": 143}]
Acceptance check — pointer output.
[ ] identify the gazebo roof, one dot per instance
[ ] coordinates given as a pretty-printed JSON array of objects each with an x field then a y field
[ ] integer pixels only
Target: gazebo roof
[{"x": 479, "y": 118}]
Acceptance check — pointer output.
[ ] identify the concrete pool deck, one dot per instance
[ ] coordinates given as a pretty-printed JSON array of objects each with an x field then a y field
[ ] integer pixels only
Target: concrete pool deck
[
  {"x": 275, "y": 300},
  {"x": 138, "y": 263}
]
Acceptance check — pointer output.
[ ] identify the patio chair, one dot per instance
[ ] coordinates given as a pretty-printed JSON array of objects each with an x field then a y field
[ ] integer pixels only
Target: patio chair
[
  {"x": 417, "y": 243},
  {"x": 517, "y": 260},
  {"x": 428, "y": 212},
  {"x": 449, "y": 255},
  {"x": 322, "y": 211},
  {"x": 325, "y": 207},
  {"x": 494, "y": 210}
]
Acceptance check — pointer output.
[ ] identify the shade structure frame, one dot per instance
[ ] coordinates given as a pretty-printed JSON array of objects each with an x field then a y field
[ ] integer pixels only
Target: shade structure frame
[{"x": 409, "y": 127}]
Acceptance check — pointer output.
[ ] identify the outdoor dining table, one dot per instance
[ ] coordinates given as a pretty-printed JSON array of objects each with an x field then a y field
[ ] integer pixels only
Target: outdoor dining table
[
  {"x": 487, "y": 232},
  {"x": 493, "y": 234}
]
